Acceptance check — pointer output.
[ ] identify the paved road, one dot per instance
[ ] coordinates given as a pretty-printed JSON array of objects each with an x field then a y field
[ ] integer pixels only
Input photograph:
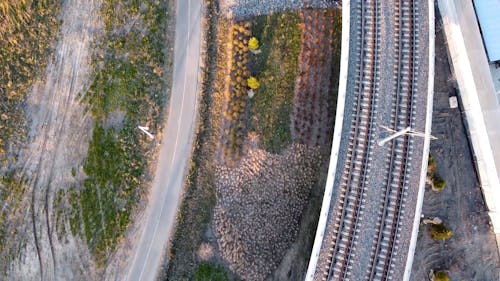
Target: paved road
[{"x": 176, "y": 145}]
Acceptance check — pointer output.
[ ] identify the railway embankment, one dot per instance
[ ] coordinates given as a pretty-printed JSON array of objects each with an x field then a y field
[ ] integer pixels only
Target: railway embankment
[{"x": 374, "y": 202}]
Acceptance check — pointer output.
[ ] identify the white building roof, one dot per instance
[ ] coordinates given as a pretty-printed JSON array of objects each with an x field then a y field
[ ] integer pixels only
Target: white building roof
[{"x": 488, "y": 14}]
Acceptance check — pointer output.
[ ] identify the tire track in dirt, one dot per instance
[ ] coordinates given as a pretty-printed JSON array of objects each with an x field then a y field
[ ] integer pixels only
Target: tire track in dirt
[
  {"x": 35, "y": 235},
  {"x": 59, "y": 131}
]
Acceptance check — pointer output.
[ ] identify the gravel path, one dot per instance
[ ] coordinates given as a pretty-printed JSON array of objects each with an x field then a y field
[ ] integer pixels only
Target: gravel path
[
  {"x": 247, "y": 8},
  {"x": 58, "y": 136}
]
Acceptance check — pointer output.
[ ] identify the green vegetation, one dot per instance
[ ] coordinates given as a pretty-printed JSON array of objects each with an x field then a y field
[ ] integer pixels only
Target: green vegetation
[
  {"x": 110, "y": 191},
  {"x": 27, "y": 32},
  {"x": 441, "y": 276},
  {"x": 276, "y": 69},
  {"x": 438, "y": 183},
  {"x": 128, "y": 78},
  {"x": 440, "y": 232},
  {"x": 209, "y": 272},
  {"x": 74, "y": 213},
  {"x": 431, "y": 166}
]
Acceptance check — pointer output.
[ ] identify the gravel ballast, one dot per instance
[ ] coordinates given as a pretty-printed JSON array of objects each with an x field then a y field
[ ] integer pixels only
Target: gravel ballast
[
  {"x": 365, "y": 238},
  {"x": 247, "y": 8}
]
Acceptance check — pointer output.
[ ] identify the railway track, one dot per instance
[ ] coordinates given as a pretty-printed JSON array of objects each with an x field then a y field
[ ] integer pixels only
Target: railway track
[
  {"x": 357, "y": 164},
  {"x": 351, "y": 195},
  {"x": 400, "y": 150}
]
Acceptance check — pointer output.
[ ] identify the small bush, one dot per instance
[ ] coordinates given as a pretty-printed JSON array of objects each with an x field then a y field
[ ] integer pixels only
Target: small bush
[
  {"x": 431, "y": 166},
  {"x": 253, "y": 83},
  {"x": 440, "y": 232},
  {"x": 210, "y": 272},
  {"x": 438, "y": 182},
  {"x": 253, "y": 43},
  {"x": 441, "y": 276}
]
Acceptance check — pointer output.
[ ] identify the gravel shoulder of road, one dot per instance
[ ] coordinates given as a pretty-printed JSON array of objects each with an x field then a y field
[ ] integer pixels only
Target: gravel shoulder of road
[{"x": 460, "y": 205}]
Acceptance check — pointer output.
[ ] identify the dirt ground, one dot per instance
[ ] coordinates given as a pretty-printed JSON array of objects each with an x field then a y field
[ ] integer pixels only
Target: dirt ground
[
  {"x": 58, "y": 130},
  {"x": 471, "y": 253},
  {"x": 59, "y": 133}
]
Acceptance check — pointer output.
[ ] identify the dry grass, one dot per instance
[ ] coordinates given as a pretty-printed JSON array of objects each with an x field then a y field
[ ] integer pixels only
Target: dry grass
[{"x": 27, "y": 32}]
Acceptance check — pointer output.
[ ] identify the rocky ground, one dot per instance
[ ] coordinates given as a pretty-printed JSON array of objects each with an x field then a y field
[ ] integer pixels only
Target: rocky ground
[
  {"x": 259, "y": 206},
  {"x": 471, "y": 253},
  {"x": 247, "y": 8}
]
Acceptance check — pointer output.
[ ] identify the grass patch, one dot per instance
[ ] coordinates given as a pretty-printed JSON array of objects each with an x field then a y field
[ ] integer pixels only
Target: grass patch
[
  {"x": 276, "y": 69},
  {"x": 210, "y": 272},
  {"x": 27, "y": 34},
  {"x": 128, "y": 78},
  {"x": 110, "y": 191}
]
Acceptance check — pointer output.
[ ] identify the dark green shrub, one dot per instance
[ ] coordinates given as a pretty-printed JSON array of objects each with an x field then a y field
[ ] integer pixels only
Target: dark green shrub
[
  {"x": 438, "y": 182},
  {"x": 441, "y": 276},
  {"x": 431, "y": 166},
  {"x": 210, "y": 272},
  {"x": 440, "y": 232}
]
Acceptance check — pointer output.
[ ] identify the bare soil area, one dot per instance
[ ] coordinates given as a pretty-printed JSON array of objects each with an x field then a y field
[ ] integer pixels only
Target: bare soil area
[
  {"x": 57, "y": 144},
  {"x": 471, "y": 253}
]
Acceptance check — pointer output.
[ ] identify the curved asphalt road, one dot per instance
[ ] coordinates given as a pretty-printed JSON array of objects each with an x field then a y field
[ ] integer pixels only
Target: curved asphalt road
[{"x": 176, "y": 146}]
